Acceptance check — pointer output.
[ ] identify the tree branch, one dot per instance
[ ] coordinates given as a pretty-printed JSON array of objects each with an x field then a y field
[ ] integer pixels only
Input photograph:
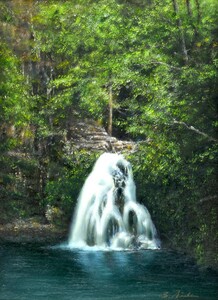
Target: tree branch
[
  {"x": 195, "y": 130},
  {"x": 165, "y": 64},
  {"x": 209, "y": 198}
]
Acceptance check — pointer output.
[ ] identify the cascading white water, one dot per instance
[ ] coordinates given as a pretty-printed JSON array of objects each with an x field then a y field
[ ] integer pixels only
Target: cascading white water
[{"x": 107, "y": 213}]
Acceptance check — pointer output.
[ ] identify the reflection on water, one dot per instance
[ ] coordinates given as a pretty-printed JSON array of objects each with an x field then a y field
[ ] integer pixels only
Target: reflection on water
[{"x": 34, "y": 272}]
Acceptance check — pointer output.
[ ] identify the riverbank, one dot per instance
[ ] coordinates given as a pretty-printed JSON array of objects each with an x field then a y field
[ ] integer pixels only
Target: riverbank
[{"x": 31, "y": 230}]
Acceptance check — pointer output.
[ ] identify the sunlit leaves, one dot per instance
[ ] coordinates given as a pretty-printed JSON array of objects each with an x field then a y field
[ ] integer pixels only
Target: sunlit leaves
[{"x": 14, "y": 106}]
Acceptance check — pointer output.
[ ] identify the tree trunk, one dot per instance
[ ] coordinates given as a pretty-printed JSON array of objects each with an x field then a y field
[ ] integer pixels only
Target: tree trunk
[
  {"x": 190, "y": 14},
  {"x": 110, "y": 117},
  {"x": 182, "y": 37},
  {"x": 188, "y": 6},
  {"x": 198, "y": 10}
]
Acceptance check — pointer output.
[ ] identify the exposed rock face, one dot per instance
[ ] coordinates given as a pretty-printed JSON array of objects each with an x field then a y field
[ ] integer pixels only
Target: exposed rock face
[{"x": 89, "y": 135}]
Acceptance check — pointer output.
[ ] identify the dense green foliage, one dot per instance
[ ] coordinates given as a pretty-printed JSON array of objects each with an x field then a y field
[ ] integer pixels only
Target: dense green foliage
[{"x": 154, "y": 64}]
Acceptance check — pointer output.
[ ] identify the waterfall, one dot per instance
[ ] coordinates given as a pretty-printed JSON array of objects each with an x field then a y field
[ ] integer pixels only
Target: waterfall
[{"x": 107, "y": 213}]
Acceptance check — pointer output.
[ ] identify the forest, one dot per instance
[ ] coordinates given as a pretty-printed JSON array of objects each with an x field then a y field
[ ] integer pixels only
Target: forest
[{"x": 146, "y": 71}]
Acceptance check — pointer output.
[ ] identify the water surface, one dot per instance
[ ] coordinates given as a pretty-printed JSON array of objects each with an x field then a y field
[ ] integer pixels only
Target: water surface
[{"x": 39, "y": 272}]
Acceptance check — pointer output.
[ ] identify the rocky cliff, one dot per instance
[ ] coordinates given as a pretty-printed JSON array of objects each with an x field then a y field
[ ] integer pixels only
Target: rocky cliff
[{"x": 87, "y": 134}]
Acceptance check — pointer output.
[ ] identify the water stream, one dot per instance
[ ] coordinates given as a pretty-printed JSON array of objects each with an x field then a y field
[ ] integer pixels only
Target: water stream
[{"x": 108, "y": 214}]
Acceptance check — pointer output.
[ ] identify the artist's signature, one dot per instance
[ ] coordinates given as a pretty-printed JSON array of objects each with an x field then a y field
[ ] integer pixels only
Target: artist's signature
[{"x": 178, "y": 295}]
